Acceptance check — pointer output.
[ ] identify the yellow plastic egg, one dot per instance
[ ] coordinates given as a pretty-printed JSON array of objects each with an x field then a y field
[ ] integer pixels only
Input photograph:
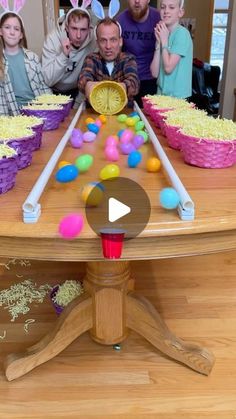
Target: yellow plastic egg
[
  {"x": 110, "y": 171},
  {"x": 130, "y": 122},
  {"x": 92, "y": 194},
  {"x": 89, "y": 121}
]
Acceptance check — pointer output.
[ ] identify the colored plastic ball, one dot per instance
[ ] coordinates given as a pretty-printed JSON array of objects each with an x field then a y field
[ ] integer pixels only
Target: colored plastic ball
[
  {"x": 111, "y": 153},
  {"x": 169, "y": 198},
  {"x": 134, "y": 158},
  {"x": 122, "y": 117},
  {"x": 144, "y": 135},
  {"x": 130, "y": 122},
  {"x": 71, "y": 226},
  {"x": 153, "y": 164},
  {"x": 93, "y": 128},
  {"x": 89, "y": 137},
  {"x": 92, "y": 194},
  {"x": 138, "y": 141},
  {"x": 139, "y": 125},
  {"x": 67, "y": 173},
  {"x": 63, "y": 163},
  {"x": 84, "y": 162},
  {"x": 127, "y": 148},
  {"x": 103, "y": 119},
  {"x": 110, "y": 171},
  {"x": 126, "y": 136},
  {"x": 89, "y": 121},
  {"x": 112, "y": 140},
  {"x": 76, "y": 138}
]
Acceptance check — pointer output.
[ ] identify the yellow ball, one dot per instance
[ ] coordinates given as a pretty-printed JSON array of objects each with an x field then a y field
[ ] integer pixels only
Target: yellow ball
[
  {"x": 153, "y": 164},
  {"x": 130, "y": 122},
  {"x": 103, "y": 119},
  {"x": 92, "y": 195},
  {"x": 63, "y": 163},
  {"x": 89, "y": 121}
]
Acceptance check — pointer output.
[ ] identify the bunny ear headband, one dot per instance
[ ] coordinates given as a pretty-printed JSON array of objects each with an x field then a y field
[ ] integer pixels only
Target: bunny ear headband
[
  {"x": 18, "y": 4},
  {"x": 99, "y": 12},
  {"x": 82, "y": 8}
]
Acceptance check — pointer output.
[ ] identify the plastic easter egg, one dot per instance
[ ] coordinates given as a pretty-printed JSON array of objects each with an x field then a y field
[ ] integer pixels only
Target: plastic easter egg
[
  {"x": 99, "y": 185},
  {"x": 111, "y": 153},
  {"x": 139, "y": 125},
  {"x": 91, "y": 194},
  {"x": 103, "y": 119},
  {"x": 138, "y": 141},
  {"x": 153, "y": 164},
  {"x": 126, "y": 136},
  {"x": 122, "y": 117},
  {"x": 144, "y": 135},
  {"x": 136, "y": 118},
  {"x": 76, "y": 138},
  {"x": 127, "y": 148},
  {"x": 89, "y": 121},
  {"x": 112, "y": 140},
  {"x": 89, "y": 137},
  {"x": 71, "y": 226},
  {"x": 84, "y": 162},
  {"x": 134, "y": 158},
  {"x": 63, "y": 163},
  {"x": 98, "y": 122},
  {"x": 134, "y": 113},
  {"x": 109, "y": 171},
  {"x": 93, "y": 128},
  {"x": 169, "y": 198},
  {"x": 130, "y": 122},
  {"x": 67, "y": 173}
]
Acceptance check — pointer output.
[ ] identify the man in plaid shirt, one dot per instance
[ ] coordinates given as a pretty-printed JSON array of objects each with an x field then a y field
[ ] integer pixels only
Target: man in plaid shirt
[{"x": 109, "y": 63}]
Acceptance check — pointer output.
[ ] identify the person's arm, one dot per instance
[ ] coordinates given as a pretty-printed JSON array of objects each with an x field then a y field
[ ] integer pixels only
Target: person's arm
[
  {"x": 170, "y": 60},
  {"x": 155, "y": 64},
  {"x": 87, "y": 78},
  {"x": 130, "y": 77},
  {"x": 54, "y": 60}
]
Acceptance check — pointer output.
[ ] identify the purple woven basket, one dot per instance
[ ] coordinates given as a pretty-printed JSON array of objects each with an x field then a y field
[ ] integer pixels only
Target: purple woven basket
[
  {"x": 58, "y": 308},
  {"x": 173, "y": 136},
  {"x": 52, "y": 117},
  {"x": 24, "y": 148},
  {"x": 8, "y": 171},
  {"x": 67, "y": 107},
  {"x": 38, "y": 129},
  {"x": 208, "y": 153}
]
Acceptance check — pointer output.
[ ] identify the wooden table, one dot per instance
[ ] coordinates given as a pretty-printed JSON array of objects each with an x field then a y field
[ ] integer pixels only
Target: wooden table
[{"x": 110, "y": 307}]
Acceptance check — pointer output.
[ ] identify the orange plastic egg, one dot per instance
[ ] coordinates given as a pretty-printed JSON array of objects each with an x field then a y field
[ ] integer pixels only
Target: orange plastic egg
[
  {"x": 153, "y": 164},
  {"x": 63, "y": 163}
]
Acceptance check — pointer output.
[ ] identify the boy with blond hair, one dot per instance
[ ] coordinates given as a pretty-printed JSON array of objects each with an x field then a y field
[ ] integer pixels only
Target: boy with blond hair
[{"x": 172, "y": 61}]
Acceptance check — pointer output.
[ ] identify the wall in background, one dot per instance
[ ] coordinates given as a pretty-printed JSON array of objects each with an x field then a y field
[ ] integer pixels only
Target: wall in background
[{"x": 32, "y": 14}]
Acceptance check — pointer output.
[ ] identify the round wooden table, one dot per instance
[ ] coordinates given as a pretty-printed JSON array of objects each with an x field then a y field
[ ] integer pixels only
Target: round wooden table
[{"x": 109, "y": 307}]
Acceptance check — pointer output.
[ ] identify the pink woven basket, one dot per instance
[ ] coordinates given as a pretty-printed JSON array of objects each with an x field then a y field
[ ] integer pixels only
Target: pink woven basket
[
  {"x": 208, "y": 153},
  {"x": 146, "y": 105},
  {"x": 37, "y": 141},
  {"x": 8, "y": 171},
  {"x": 52, "y": 117},
  {"x": 173, "y": 136},
  {"x": 24, "y": 148}
]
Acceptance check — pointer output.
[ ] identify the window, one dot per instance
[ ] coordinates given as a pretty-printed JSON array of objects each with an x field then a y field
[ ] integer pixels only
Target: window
[{"x": 219, "y": 30}]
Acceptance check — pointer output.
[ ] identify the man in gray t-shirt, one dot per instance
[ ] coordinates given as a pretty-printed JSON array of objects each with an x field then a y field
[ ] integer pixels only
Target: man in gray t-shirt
[{"x": 138, "y": 22}]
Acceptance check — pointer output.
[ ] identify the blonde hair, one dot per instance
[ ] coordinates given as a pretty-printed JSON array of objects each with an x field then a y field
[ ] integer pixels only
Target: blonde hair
[{"x": 181, "y": 4}]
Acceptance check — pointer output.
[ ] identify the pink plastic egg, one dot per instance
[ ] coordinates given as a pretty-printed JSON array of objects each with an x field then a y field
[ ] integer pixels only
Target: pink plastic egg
[
  {"x": 71, "y": 225},
  {"x": 98, "y": 122},
  {"x": 89, "y": 136},
  {"x": 127, "y": 148},
  {"x": 126, "y": 136},
  {"x": 112, "y": 140},
  {"x": 111, "y": 153}
]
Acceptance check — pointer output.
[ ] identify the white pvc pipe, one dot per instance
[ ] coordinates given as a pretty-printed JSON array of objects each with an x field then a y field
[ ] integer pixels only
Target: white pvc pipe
[
  {"x": 185, "y": 200},
  {"x": 32, "y": 199}
]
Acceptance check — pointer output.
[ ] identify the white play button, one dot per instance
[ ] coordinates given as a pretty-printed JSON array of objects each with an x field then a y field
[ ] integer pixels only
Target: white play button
[{"x": 117, "y": 210}]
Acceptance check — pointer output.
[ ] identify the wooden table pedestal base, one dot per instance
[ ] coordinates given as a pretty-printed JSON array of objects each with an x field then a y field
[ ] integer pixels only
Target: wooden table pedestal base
[{"x": 108, "y": 310}]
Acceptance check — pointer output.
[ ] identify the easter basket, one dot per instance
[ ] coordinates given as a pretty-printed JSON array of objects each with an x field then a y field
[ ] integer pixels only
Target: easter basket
[
  {"x": 173, "y": 136},
  {"x": 52, "y": 117},
  {"x": 8, "y": 171},
  {"x": 108, "y": 97},
  {"x": 147, "y": 104},
  {"x": 24, "y": 149},
  {"x": 59, "y": 309},
  {"x": 68, "y": 291},
  {"x": 207, "y": 153},
  {"x": 38, "y": 129}
]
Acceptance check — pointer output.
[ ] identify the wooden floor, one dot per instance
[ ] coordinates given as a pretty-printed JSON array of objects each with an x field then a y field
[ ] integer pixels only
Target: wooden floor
[{"x": 197, "y": 298}]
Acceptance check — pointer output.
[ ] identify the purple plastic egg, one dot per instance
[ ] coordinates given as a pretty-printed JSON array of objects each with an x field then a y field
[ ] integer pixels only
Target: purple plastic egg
[
  {"x": 111, "y": 153},
  {"x": 138, "y": 141},
  {"x": 127, "y": 148},
  {"x": 89, "y": 136},
  {"x": 76, "y": 138}
]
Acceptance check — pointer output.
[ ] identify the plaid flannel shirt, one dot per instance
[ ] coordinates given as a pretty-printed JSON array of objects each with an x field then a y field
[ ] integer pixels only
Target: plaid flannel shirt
[
  {"x": 8, "y": 104},
  {"x": 125, "y": 71}
]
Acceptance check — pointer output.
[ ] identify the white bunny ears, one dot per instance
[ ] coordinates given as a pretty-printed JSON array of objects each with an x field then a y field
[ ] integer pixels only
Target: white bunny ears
[
  {"x": 98, "y": 11},
  {"x": 83, "y": 7},
  {"x": 17, "y": 6}
]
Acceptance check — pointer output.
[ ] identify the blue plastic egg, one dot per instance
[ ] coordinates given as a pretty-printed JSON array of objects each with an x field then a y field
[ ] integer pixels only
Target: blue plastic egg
[
  {"x": 169, "y": 198},
  {"x": 134, "y": 159},
  {"x": 67, "y": 173},
  {"x": 93, "y": 128}
]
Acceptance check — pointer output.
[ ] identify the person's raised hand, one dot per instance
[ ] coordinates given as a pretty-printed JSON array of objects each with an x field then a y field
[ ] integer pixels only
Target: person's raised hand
[{"x": 66, "y": 46}]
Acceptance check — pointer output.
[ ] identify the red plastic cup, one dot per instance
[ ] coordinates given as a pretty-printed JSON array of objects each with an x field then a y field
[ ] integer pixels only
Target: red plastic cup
[{"x": 112, "y": 243}]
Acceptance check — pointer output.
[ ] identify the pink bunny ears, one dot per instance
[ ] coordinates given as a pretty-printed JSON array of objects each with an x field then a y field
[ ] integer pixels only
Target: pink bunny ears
[
  {"x": 83, "y": 7},
  {"x": 17, "y": 6}
]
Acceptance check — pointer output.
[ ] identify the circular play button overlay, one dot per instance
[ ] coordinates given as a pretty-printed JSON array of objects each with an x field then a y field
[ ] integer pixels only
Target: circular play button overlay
[{"x": 118, "y": 204}]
